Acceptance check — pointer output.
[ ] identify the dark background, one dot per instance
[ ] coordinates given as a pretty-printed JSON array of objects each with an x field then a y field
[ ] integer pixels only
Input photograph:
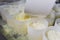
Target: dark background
[
  {"x": 2, "y": 36},
  {"x": 57, "y": 1}
]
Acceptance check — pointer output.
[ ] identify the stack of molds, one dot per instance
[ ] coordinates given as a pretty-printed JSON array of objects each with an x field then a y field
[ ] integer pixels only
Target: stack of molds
[
  {"x": 13, "y": 14},
  {"x": 16, "y": 27}
]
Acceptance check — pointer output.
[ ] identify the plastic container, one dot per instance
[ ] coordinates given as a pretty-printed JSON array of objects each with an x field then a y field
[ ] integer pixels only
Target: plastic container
[
  {"x": 10, "y": 9},
  {"x": 36, "y": 32},
  {"x": 16, "y": 28},
  {"x": 19, "y": 27}
]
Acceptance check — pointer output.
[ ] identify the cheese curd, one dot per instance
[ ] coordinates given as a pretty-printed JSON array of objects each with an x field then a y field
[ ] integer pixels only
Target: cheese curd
[
  {"x": 39, "y": 24},
  {"x": 53, "y": 35}
]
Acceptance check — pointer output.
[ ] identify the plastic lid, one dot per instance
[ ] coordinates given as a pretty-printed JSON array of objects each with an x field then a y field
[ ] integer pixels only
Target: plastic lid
[{"x": 39, "y": 7}]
